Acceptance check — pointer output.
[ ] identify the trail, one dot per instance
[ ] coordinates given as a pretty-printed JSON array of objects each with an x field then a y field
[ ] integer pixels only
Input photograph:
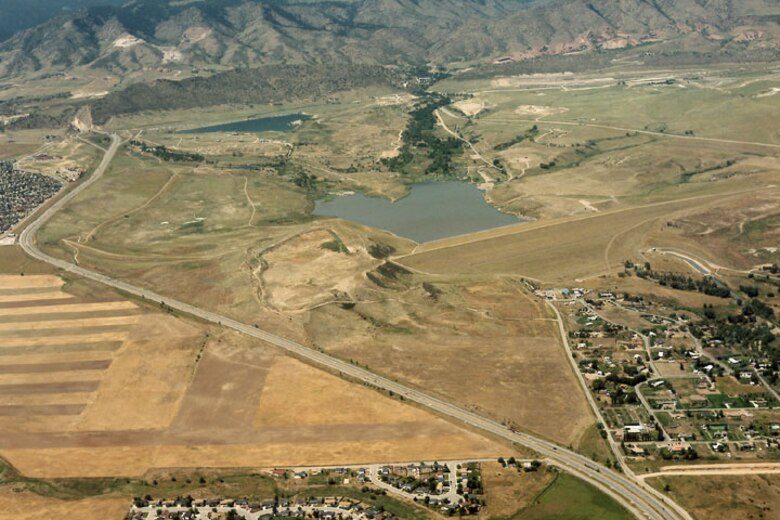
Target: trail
[
  {"x": 145, "y": 205},
  {"x": 466, "y": 141},
  {"x": 249, "y": 200}
]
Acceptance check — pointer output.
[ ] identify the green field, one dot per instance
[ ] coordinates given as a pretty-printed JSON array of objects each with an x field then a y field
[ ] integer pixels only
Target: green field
[{"x": 570, "y": 499}]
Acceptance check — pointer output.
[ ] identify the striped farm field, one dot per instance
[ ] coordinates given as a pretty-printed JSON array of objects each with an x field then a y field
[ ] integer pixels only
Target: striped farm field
[
  {"x": 34, "y": 297},
  {"x": 69, "y": 308},
  {"x": 94, "y": 387},
  {"x": 73, "y": 341},
  {"x": 54, "y": 348},
  {"x": 8, "y": 282}
]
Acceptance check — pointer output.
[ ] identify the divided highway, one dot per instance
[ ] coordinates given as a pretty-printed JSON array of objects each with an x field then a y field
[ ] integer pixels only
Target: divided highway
[{"x": 640, "y": 499}]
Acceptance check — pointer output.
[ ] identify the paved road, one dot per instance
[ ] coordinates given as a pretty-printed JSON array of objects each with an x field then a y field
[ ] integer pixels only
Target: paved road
[
  {"x": 585, "y": 388},
  {"x": 716, "y": 469},
  {"x": 697, "y": 266},
  {"x": 639, "y": 499},
  {"x": 466, "y": 141}
]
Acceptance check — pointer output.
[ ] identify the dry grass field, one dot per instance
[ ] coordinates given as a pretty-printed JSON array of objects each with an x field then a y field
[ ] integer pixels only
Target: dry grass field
[
  {"x": 600, "y": 144},
  {"x": 744, "y": 496},
  {"x": 22, "y": 143},
  {"x": 746, "y": 235},
  {"x": 486, "y": 344},
  {"x": 57, "y": 156},
  {"x": 507, "y": 491},
  {"x": 652, "y": 291},
  {"x": 303, "y": 273},
  {"x": 238, "y": 238},
  {"x": 350, "y": 131},
  {"x": 26, "y": 505},
  {"x": 256, "y": 257},
  {"x": 559, "y": 250},
  {"x": 188, "y": 396}
]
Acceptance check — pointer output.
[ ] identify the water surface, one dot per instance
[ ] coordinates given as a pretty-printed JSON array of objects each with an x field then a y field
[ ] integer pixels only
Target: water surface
[
  {"x": 260, "y": 124},
  {"x": 431, "y": 211}
]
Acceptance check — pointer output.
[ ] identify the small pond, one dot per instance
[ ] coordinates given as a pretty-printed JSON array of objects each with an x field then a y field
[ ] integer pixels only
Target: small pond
[
  {"x": 262, "y": 124},
  {"x": 431, "y": 211}
]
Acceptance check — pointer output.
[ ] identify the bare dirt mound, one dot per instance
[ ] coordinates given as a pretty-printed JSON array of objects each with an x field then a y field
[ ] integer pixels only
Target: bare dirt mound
[
  {"x": 313, "y": 268},
  {"x": 539, "y": 111},
  {"x": 471, "y": 107}
]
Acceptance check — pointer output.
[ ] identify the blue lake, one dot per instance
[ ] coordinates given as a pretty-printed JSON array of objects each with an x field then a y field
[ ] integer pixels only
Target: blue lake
[
  {"x": 431, "y": 211},
  {"x": 261, "y": 124}
]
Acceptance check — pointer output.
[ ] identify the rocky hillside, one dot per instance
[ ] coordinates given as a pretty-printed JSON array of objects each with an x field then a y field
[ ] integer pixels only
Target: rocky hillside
[
  {"x": 245, "y": 33},
  {"x": 267, "y": 84},
  {"x": 17, "y": 15}
]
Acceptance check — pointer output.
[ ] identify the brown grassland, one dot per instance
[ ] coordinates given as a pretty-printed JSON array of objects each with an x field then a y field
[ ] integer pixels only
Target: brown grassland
[
  {"x": 26, "y": 505},
  {"x": 502, "y": 354},
  {"x": 235, "y": 235},
  {"x": 743, "y": 496},
  {"x": 543, "y": 250},
  {"x": 256, "y": 256},
  {"x": 190, "y": 395},
  {"x": 507, "y": 492}
]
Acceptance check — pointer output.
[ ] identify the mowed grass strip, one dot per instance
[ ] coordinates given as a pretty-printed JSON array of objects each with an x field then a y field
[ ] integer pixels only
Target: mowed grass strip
[
  {"x": 31, "y": 368},
  {"x": 62, "y": 331},
  {"x": 66, "y": 299},
  {"x": 76, "y": 337},
  {"x": 49, "y": 388},
  {"x": 26, "y": 290},
  {"x": 41, "y": 399},
  {"x": 82, "y": 323},
  {"x": 75, "y": 308},
  {"x": 66, "y": 376},
  {"x": 29, "y": 297},
  {"x": 41, "y": 409},
  {"x": 16, "y": 282},
  {"x": 100, "y": 346},
  {"x": 32, "y": 318}
]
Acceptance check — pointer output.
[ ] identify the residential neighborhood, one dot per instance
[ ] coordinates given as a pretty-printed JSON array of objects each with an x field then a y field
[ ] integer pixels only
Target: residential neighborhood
[
  {"x": 21, "y": 192},
  {"x": 451, "y": 488},
  {"x": 327, "y": 508},
  {"x": 673, "y": 389}
]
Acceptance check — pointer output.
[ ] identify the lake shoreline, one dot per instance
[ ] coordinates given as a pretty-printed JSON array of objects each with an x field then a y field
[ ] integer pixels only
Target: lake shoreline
[{"x": 430, "y": 211}]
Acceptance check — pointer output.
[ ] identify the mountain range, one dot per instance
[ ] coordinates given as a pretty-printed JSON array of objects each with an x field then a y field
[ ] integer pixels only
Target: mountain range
[
  {"x": 225, "y": 34},
  {"x": 17, "y": 15}
]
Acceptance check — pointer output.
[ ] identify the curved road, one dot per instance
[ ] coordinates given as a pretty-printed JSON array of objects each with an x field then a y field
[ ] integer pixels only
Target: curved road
[{"x": 638, "y": 498}]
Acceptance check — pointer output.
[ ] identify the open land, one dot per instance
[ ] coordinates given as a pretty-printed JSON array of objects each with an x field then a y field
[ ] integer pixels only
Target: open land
[
  {"x": 28, "y": 505},
  {"x": 506, "y": 493},
  {"x": 210, "y": 398},
  {"x": 745, "y": 496},
  {"x": 612, "y": 174},
  {"x": 250, "y": 250}
]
